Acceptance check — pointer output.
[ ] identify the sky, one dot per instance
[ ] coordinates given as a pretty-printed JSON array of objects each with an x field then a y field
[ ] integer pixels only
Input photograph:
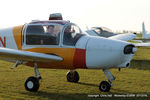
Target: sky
[{"x": 113, "y": 14}]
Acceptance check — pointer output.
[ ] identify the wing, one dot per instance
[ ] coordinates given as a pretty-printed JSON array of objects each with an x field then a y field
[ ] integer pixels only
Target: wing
[
  {"x": 142, "y": 44},
  {"x": 11, "y": 54},
  {"x": 124, "y": 37}
]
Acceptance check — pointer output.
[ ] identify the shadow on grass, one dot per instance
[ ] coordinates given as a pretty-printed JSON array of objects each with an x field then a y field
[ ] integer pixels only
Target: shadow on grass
[
  {"x": 56, "y": 96},
  {"x": 88, "y": 84},
  {"x": 81, "y": 96},
  {"x": 77, "y": 96},
  {"x": 118, "y": 91},
  {"x": 140, "y": 64}
]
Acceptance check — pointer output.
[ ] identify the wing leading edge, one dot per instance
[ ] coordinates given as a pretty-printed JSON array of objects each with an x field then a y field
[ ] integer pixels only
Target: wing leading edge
[
  {"x": 124, "y": 37},
  {"x": 142, "y": 44},
  {"x": 11, "y": 54}
]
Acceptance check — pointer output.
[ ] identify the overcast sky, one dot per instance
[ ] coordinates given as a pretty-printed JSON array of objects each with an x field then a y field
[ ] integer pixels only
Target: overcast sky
[{"x": 114, "y": 14}]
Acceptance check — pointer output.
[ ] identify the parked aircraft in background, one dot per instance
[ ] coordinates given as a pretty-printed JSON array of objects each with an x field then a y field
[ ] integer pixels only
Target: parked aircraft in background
[
  {"x": 105, "y": 32},
  {"x": 100, "y": 31},
  {"x": 60, "y": 44},
  {"x": 145, "y": 35}
]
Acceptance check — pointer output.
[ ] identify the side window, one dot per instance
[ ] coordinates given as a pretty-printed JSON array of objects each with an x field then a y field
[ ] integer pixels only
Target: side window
[
  {"x": 71, "y": 35},
  {"x": 42, "y": 35}
]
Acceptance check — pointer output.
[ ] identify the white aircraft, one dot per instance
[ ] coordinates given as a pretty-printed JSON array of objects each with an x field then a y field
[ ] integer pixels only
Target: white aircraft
[
  {"x": 65, "y": 46},
  {"x": 105, "y": 32},
  {"x": 144, "y": 34},
  {"x": 100, "y": 31}
]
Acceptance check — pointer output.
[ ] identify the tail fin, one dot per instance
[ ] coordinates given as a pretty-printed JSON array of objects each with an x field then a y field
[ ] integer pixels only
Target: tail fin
[{"x": 143, "y": 30}]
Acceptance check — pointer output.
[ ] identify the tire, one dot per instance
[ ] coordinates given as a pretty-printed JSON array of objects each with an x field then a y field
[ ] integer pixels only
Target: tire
[
  {"x": 72, "y": 76},
  {"x": 104, "y": 86},
  {"x": 32, "y": 84}
]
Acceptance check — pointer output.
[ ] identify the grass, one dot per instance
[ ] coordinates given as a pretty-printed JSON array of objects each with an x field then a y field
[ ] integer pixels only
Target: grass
[
  {"x": 139, "y": 35},
  {"x": 53, "y": 86},
  {"x": 143, "y": 53}
]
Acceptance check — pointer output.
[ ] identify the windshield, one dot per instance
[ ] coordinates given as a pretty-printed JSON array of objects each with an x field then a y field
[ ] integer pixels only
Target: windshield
[{"x": 43, "y": 34}]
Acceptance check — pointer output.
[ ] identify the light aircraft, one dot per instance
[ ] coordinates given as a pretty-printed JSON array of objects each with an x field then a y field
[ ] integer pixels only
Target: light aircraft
[
  {"x": 66, "y": 47},
  {"x": 145, "y": 35},
  {"x": 100, "y": 31},
  {"x": 105, "y": 32}
]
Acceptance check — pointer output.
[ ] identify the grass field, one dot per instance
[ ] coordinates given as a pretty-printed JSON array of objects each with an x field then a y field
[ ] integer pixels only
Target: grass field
[
  {"x": 139, "y": 35},
  {"x": 53, "y": 86}
]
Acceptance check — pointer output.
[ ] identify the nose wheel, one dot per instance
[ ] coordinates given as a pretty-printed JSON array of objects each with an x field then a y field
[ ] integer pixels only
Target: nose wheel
[
  {"x": 72, "y": 76},
  {"x": 104, "y": 86}
]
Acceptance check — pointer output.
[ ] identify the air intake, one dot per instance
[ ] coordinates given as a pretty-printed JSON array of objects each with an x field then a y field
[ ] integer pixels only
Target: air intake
[{"x": 130, "y": 49}]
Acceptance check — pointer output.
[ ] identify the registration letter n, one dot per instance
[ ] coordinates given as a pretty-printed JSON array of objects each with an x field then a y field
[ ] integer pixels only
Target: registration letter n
[{"x": 3, "y": 41}]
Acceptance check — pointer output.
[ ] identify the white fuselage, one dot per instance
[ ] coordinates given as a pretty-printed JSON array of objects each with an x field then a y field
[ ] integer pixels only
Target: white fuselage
[
  {"x": 97, "y": 52},
  {"x": 104, "y": 53}
]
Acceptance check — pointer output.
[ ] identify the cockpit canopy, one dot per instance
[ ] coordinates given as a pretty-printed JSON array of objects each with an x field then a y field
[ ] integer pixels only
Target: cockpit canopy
[
  {"x": 103, "y": 31},
  {"x": 100, "y": 30},
  {"x": 52, "y": 33}
]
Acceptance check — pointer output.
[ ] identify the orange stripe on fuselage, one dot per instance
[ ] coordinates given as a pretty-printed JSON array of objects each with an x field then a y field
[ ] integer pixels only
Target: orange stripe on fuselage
[
  {"x": 17, "y": 31},
  {"x": 66, "y": 53}
]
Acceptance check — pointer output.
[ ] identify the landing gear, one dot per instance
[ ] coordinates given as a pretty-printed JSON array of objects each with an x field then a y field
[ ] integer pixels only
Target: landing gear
[
  {"x": 104, "y": 85},
  {"x": 72, "y": 76},
  {"x": 32, "y": 83}
]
